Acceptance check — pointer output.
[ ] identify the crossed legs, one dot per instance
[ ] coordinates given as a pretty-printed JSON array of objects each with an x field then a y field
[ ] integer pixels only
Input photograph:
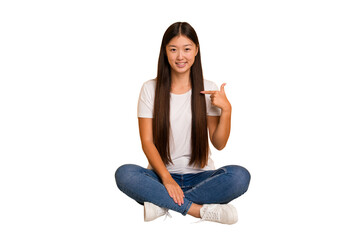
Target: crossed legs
[{"x": 218, "y": 186}]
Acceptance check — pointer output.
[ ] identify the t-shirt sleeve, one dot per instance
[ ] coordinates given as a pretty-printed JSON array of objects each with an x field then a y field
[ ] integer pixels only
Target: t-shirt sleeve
[
  {"x": 211, "y": 109},
  {"x": 146, "y": 102}
]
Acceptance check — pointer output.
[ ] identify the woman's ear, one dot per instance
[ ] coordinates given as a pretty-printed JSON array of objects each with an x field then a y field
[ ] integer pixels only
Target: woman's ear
[{"x": 197, "y": 50}]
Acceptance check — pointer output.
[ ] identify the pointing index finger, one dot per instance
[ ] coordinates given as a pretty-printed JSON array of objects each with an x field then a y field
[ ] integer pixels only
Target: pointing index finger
[{"x": 208, "y": 92}]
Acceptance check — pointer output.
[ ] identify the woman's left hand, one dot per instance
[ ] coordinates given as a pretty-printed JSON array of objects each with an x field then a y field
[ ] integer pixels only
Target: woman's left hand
[{"x": 219, "y": 99}]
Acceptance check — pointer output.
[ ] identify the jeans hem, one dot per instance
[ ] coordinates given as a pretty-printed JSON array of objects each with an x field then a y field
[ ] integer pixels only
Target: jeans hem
[{"x": 187, "y": 208}]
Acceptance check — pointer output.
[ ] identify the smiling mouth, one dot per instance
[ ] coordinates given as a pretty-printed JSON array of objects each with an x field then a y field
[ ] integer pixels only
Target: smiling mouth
[{"x": 182, "y": 64}]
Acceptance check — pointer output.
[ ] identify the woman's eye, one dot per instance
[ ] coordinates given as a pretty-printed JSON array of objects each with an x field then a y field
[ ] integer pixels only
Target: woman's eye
[
  {"x": 187, "y": 49},
  {"x": 172, "y": 50}
]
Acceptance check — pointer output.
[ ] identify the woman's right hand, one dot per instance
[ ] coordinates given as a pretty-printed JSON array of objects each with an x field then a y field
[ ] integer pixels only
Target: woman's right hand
[{"x": 174, "y": 190}]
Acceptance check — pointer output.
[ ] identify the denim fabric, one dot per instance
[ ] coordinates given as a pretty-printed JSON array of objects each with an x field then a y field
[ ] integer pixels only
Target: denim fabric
[{"x": 216, "y": 186}]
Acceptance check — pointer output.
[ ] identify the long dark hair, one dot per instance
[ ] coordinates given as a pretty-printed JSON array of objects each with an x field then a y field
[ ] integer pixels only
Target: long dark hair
[{"x": 161, "y": 119}]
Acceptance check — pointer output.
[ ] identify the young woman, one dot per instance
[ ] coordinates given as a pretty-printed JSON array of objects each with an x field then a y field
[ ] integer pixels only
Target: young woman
[{"x": 178, "y": 111}]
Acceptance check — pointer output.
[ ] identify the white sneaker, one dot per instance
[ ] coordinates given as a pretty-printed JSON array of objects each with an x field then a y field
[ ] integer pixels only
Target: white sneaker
[
  {"x": 151, "y": 212},
  {"x": 222, "y": 213}
]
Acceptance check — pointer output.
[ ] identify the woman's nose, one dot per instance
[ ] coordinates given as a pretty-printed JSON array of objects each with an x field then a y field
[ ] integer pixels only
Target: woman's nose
[{"x": 179, "y": 55}]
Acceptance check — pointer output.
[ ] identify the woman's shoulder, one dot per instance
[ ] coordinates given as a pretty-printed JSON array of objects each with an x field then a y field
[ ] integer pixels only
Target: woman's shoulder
[
  {"x": 210, "y": 85},
  {"x": 149, "y": 87},
  {"x": 150, "y": 84}
]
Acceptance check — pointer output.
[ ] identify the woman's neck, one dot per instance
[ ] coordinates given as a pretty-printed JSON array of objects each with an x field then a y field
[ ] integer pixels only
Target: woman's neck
[{"x": 180, "y": 83}]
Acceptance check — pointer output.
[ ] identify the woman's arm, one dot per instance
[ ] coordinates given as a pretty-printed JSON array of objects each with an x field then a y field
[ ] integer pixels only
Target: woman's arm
[
  {"x": 219, "y": 127},
  {"x": 153, "y": 156}
]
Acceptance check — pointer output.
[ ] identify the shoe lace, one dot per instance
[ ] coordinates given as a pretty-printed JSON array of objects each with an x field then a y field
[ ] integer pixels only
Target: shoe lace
[
  {"x": 211, "y": 214},
  {"x": 167, "y": 214},
  {"x": 163, "y": 211}
]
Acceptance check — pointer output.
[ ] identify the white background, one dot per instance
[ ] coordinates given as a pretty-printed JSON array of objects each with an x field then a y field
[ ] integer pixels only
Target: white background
[{"x": 71, "y": 72}]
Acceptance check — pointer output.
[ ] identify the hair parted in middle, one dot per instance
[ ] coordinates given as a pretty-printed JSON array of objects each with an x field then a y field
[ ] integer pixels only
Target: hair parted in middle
[{"x": 161, "y": 118}]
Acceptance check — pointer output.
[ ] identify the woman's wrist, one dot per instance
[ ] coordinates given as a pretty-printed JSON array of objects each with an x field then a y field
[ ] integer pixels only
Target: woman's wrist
[
  {"x": 226, "y": 109},
  {"x": 165, "y": 177}
]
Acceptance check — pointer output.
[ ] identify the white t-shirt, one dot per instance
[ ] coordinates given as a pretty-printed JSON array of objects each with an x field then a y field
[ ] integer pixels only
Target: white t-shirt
[{"x": 180, "y": 124}]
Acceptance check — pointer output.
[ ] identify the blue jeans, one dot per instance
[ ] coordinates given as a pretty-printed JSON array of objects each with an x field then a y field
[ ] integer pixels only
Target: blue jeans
[{"x": 217, "y": 186}]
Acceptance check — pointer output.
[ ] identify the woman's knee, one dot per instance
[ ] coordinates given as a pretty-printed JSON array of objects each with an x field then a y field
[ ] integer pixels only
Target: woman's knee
[
  {"x": 240, "y": 175},
  {"x": 125, "y": 172}
]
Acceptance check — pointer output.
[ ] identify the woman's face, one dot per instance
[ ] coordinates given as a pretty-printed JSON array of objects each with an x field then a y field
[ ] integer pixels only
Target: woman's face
[{"x": 181, "y": 52}]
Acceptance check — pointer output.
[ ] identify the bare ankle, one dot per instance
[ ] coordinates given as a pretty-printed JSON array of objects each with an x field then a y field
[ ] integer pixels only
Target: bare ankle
[{"x": 194, "y": 210}]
